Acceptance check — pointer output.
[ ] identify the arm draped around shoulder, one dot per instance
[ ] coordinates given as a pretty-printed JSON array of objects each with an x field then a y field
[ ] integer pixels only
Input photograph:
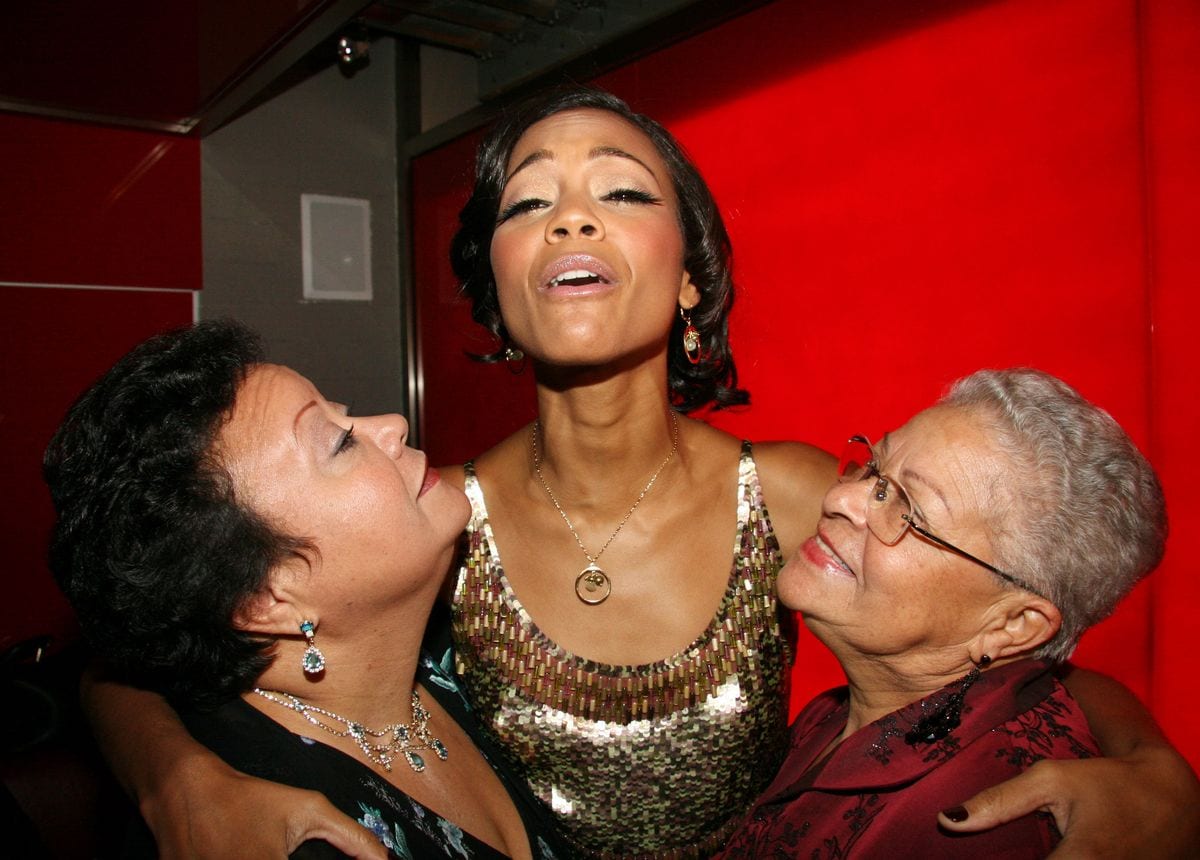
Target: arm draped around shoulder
[
  {"x": 194, "y": 803},
  {"x": 1140, "y": 800}
]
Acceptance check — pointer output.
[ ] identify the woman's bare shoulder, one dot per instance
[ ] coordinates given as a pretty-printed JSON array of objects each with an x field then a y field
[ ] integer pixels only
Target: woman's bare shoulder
[
  {"x": 794, "y": 478},
  {"x": 795, "y": 460},
  {"x": 512, "y": 452}
]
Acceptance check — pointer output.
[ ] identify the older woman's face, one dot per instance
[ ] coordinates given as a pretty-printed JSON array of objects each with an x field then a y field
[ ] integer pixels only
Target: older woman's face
[
  {"x": 588, "y": 252},
  {"x": 857, "y": 591},
  {"x": 382, "y": 521}
]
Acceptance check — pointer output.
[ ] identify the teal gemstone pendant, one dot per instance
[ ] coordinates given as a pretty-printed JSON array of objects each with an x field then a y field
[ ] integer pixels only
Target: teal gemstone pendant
[
  {"x": 313, "y": 660},
  {"x": 406, "y": 738}
]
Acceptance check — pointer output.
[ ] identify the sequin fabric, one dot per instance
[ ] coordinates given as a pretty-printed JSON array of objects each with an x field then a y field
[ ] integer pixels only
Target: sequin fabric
[{"x": 651, "y": 761}]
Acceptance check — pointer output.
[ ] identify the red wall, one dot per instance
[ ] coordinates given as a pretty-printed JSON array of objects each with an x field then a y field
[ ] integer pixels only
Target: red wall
[
  {"x": 912, "y": 196},
  {"x": 1171, "y": 83},
  {"x": 81, "y": 206}
]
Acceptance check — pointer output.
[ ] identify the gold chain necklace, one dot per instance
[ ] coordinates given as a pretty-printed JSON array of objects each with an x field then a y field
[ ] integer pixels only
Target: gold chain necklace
[
  {"x": 593, "y": 586},
  {"x": 405, "y": 739}
]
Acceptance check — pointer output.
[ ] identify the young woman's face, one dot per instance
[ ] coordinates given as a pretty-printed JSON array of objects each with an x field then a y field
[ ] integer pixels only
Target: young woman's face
[
  {"x": 382, "y": 522},
  {"x": 588, "y": 250}
]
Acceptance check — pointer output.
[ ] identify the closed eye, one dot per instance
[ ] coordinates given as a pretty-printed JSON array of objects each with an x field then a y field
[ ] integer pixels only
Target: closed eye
[
  {"x": 346, "y": 442},
  {"x": 631, "y": 195},
  {"x": 520, "y": 207}
]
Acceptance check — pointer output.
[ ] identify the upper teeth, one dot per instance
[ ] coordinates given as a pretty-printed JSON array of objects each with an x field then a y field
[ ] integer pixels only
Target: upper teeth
[{"x": 574, "y": 273}]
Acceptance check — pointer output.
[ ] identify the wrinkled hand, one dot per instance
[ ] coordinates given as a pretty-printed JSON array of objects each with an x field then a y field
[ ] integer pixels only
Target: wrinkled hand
[
  {"x": 1143, "y": 805},
  {"x": 212, "y": 811}
]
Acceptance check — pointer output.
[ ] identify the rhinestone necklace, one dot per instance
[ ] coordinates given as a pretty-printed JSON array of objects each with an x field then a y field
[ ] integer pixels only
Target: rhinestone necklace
[
  {"x": 406, "y": 739},
  {"x": 593, "y": 586}
]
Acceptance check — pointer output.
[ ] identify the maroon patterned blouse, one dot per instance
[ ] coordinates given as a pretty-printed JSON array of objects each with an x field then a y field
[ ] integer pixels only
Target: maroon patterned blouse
[{"x": 877, "y": 796}]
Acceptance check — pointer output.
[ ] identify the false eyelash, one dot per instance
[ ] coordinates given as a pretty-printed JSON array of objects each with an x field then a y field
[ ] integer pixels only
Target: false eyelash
[
  {"x": 519, "y": 207},
  {"x": 346, "y": 442},
  {"x": 631, "y": 195}
]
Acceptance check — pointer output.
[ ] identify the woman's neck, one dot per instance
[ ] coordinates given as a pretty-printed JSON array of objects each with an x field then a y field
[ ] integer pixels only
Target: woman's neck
[
  {"x": 604, "y": 432},
  {"x": 369, "y": 673},
  {"x": 880, "y": 685}
]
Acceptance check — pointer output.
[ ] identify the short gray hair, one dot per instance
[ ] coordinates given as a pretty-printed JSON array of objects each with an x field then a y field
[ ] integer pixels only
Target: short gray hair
[{"x": 1087, "y": 519}]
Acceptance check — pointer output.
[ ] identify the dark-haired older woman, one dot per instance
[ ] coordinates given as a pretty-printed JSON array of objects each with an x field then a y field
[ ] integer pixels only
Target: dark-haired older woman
[
  {"x": 956, "y": 564},
  {"x": 235, "y": 541}
]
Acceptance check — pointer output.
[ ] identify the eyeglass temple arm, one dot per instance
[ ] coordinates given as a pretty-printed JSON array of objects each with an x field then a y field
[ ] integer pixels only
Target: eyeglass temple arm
[{"x": 931, "y": 536}]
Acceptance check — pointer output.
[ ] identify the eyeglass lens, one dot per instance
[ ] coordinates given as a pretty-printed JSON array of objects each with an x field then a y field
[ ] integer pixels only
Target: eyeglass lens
[{"x": 889, "y": 504}]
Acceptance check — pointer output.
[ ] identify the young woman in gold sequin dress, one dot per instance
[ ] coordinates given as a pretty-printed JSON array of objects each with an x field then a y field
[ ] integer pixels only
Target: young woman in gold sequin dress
[
  {"x": 614, "y": 612},
  {"x": 642, "y": 693}
]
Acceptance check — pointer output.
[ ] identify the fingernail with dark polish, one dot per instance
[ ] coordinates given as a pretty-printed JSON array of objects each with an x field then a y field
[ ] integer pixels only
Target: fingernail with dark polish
[{"x": 957, "y": 814}]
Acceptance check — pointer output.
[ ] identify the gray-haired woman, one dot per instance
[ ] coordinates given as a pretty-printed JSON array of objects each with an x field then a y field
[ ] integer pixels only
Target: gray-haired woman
[{"x": 956, "y": 563}]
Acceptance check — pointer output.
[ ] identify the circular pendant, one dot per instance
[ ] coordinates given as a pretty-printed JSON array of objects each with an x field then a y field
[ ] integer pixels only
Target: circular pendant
[{"x": 592, "y": 586}]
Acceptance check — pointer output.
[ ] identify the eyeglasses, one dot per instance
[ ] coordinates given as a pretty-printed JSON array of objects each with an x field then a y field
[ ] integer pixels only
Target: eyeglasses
[{"x": 890, "y": 510}]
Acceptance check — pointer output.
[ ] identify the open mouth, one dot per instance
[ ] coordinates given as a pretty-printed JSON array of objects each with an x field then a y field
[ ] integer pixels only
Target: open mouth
[
  {"x": 578, "y": 272},
  {"x": 577, "y": 278}
]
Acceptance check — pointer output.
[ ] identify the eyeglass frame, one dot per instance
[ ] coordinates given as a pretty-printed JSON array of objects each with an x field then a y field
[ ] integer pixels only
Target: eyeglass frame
[{"x": 872, "y": 466}]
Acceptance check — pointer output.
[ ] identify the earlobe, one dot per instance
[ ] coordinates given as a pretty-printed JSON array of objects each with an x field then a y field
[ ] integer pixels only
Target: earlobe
[{"x": 689, "y": 293}]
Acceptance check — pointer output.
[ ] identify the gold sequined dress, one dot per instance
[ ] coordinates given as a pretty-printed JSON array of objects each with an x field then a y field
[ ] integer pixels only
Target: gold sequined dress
[{"x": 655, "y": 760}]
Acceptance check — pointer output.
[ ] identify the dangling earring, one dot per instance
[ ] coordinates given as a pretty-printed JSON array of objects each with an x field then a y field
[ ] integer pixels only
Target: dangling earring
[
  {"x": 691, "y": 338},
  {"x": 514, "y": 360},
  {"x": 946, "y": 716},
  {"x": 313, "y": 660}
]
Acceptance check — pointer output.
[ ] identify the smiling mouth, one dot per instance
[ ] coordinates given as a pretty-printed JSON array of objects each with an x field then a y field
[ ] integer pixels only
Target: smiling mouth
[
  {"x": 577, "y": 278},
  {"x": 828, "y": 550}
]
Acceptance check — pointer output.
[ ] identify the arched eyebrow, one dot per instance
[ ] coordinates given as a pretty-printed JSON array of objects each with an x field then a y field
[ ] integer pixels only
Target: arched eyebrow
[
  {"x": 617, "y": 152},
  {"x": 300, "y": 415},
  {"x": 911, "y": 477},
  {"x": 307, "y": 408},
  {"x": 533, "y": 158},
  {"x": 594, "y": 153}
]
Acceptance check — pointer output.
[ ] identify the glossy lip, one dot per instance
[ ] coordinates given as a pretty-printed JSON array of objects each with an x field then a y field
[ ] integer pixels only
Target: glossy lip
[
  {"x": 819, "y": 550},
  {"x": 429, "y": 481},
  {"x": 572, "y": 262}
]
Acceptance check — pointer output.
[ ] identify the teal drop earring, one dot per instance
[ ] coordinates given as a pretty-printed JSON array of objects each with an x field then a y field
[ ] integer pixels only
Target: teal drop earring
[{"x": 313, "y": 660}]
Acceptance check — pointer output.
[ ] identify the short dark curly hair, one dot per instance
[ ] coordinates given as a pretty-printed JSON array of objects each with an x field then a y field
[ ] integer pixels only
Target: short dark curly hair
[
  {"x": 707, "y": 251},
  {"x": 150, "y": 545}
]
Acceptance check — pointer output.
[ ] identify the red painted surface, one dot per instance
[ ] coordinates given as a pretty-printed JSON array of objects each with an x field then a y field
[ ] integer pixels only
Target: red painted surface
[
  {"x": 1171, "y": 75},
  {"x": 160, "y": 62},
  {"x": 467, "y": 406},
  {"x": 53, "y": 344},
  {"x": 86, "y": 206},
  {"x": 913, "y": 196},
  {"x": 97, "y": 206}
]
